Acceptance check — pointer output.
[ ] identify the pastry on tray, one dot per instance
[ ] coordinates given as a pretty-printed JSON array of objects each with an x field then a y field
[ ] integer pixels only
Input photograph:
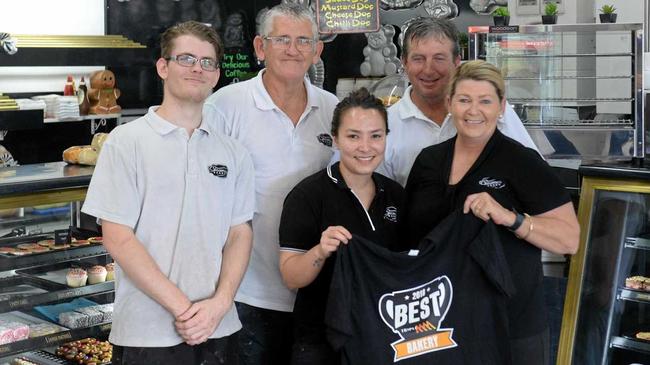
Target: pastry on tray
[
  {"x": 110, "y": 271},
  {"x": 76, "y": 277},
  {"x": 97, "y": 274}
]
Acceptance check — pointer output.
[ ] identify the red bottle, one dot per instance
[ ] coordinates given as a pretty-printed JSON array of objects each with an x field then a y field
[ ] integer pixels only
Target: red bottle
[{"x": 68, "y": 90}]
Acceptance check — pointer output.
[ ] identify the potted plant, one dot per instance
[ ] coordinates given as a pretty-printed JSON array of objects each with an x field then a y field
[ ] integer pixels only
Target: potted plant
[
  {"x": 550, "y": 13},
  {"x": 608, "y": 14},
  {"x": 501, "y": 16}
]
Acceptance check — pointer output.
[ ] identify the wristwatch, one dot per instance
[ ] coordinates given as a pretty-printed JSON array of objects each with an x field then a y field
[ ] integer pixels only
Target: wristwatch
[{"x": 519, "y": 219}]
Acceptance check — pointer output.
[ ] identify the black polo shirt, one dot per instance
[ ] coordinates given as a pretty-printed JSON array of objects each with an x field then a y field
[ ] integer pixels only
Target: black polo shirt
[
  {"x": 516, "y": 177},
  {"x": 445, "y": 306},
  {"x": 322, "y": 200}
]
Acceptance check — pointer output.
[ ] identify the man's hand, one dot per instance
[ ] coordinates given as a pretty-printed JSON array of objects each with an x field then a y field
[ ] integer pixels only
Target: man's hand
[{"x": 201, "y": 320}]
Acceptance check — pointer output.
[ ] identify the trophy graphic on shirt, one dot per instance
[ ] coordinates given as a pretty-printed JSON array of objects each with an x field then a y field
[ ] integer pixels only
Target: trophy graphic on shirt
[{"x": 416, "y": 315}]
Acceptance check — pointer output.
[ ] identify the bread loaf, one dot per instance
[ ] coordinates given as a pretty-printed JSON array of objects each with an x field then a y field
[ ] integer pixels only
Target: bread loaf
[
  {"x": 85, "y": 155},
  {"x": 88, "y": 156},
  {"x": 71, "y": 155},
  {"x": 98, "y": 141}
]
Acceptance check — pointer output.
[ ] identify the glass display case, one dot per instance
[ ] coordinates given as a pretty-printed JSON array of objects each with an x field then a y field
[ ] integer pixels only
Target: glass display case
[
  {"x": 606, "y": 316},
  {"x": 577, "y": 88},
  {"x": 41, "y": 242}
]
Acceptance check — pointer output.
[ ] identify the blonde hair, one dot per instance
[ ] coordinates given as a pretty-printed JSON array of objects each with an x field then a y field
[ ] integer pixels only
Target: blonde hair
[{"x": 478, "y": 70}]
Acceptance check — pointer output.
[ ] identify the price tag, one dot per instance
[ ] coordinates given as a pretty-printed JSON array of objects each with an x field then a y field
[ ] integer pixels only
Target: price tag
[{"x": 62, "y": 236}]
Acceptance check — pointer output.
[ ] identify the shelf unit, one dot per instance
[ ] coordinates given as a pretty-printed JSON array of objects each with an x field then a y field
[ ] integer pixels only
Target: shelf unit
[
  {"x": 47, "y": 183},
  {"x": 576, "y": 87}
]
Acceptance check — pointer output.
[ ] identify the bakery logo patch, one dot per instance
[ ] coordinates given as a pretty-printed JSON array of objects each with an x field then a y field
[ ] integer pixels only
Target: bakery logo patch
[
  {"x": 492, "y": 183},
  {"x": 391, "y": 214},
  {"x": 325, "y": 139},
  {"x": 416, "y": 315},
  {"x": 218, "y": 170}
]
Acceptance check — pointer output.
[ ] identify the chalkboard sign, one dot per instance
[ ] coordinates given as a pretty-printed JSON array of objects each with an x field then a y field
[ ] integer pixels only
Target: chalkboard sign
[{"x": 347, "y": 16}]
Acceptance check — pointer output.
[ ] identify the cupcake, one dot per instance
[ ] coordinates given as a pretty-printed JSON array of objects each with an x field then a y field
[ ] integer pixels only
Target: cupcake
[
  {"x": 76, "y": 277},
  {"x": 110, "y": 271},
  {"x": 97, "y": 274}
]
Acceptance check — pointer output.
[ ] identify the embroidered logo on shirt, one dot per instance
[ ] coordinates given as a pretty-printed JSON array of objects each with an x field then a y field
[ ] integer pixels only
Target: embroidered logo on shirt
[
  {"x": 391, "y": 214},
  {"x": 491, "y": 183},
  {"x": 218, "y": 170},
  {"x": 416, "y": 314},
  {"x": 325, "y": 139}
]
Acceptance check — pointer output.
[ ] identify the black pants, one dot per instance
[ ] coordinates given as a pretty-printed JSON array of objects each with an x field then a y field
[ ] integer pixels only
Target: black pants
[
  {"x": 266, "y": 337},
  {"x": 211, "y": 352},
  {"x": 533, "y": 350},
  {"x": 314, "y": 354}
]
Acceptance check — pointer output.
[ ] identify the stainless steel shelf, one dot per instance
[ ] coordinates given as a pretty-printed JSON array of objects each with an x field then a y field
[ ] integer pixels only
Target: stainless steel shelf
[
  {"x": 637, "y": 243},
  {"x": 564, "y": 100},
  {"x": 83, "y": 117},
  {"x": 568, "y": 77},
  {"x": 628, "y": 344},
  {"x": 633, "y": 295},
  {"x": 565, "y": 55}
]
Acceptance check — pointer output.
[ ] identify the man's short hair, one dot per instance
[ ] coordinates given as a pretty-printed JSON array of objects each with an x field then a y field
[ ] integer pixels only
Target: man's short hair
[
  {"x": 193, "y": 28},
  {"x": 360, "y": 98},
  {"x": 294, "y": 11},
  {"x": 424, "y": 28}
]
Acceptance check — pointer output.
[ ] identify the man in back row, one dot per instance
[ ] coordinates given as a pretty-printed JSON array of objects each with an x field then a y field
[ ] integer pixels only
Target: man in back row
[
  {"x": 430, "y": 54},
  {"x": 285, "y": 124}
]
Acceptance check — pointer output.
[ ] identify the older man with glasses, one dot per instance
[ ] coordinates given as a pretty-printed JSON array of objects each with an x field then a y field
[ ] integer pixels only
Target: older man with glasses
[{"x": 284, "y": 122}]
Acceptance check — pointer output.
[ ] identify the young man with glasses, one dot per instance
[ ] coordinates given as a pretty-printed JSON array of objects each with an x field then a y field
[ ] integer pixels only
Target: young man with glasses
[
  {"x": 284, "y": 122},
  {"x": 175, "y": 199}
]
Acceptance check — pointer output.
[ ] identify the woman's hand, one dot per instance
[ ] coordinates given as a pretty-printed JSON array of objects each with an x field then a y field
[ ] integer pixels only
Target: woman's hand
[
  {"x": 331, "y": 238},
  {"x": 485, "y": 207}
]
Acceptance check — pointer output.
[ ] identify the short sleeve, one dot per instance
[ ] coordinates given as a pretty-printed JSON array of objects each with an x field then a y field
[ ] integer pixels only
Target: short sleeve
[
  {"x": 244, "y": 206},
  {"x": 300, "y": 227},
  {"x": 536, "y": 186},
  {"x": 113, "y": 194}
]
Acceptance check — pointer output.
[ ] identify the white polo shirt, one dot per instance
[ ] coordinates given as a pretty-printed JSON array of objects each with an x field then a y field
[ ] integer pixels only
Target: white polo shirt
[
  {"x": 411, "y": 131},
  {"x": 283, "y": 155},
  {"x": 180, "y": 194}
]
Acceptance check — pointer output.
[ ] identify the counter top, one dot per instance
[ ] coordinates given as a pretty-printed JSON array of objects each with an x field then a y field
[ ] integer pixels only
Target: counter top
[
  {"x": 618, "y": 169},
  {"x": 43, "y": 176}
]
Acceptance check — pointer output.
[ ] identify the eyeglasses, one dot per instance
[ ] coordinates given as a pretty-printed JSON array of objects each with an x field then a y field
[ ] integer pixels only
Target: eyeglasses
[
  {"x": 303, "y": 44},
  {"x": 187, "y": 60}
]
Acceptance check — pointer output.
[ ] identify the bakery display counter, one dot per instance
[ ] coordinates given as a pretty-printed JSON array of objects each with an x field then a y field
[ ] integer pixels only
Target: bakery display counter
[
  {"x": 606, "y": 316},
  {"x": 56, "y": 279}
]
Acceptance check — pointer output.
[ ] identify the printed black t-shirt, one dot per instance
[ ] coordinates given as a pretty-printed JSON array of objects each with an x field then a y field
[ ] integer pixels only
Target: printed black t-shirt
[
  {"x": 324, "y": 200},
  {"x": 445, "y": 306},
  {"x": 516, "y": 177}
]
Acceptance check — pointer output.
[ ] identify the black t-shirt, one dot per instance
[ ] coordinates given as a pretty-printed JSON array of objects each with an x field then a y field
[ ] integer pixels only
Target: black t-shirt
[
  {"x": 322, "y": 200},
  {"x": 445, "y": 306},
  {"x": 517, "y": 178}
]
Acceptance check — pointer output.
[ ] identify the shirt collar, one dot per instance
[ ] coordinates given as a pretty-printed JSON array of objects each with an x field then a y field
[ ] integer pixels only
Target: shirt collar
[
  {"x": 334, "y": 173},
  {"x": 263, "y": 100},
  {"x": 164, "y": 127},
  {"x": 408, "y": 109}
]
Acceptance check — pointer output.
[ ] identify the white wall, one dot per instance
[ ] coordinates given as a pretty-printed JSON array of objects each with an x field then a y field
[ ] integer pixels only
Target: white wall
[{"x": 48, "y": 17}]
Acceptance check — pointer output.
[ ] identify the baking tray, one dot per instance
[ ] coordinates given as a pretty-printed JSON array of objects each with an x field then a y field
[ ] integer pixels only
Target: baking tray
[
  {"x": 56, "y": 273},
  {"x": 19, "y": 287}
]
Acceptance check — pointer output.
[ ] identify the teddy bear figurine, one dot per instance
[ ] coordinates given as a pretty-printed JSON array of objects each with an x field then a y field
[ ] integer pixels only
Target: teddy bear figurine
[
  {"x": 380, "y": 53},
  {"x": 103, "y": 94}
]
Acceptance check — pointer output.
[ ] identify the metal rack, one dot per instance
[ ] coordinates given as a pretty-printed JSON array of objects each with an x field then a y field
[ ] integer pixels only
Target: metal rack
[{"x": 582, "y": 81}]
